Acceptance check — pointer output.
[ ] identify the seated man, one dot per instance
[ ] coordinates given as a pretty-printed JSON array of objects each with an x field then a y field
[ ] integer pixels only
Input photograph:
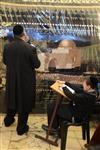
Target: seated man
[{"x": 80, "y": 101}]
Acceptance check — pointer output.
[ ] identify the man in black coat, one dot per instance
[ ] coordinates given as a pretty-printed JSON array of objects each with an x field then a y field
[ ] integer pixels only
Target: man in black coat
[
  {"x": 21, "y": 60},
  {"x": 81, "y": 100}
]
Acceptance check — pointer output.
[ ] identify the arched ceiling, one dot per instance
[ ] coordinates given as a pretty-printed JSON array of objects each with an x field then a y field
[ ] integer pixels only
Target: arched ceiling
[{"x": 78, "y": 21}]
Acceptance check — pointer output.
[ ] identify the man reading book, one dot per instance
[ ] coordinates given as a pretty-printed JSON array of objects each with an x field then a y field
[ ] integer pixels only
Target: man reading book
[{"x": 80, "y": 100}]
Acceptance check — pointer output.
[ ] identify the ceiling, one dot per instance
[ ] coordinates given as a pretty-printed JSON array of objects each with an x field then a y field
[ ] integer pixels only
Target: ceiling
[{"x": 80, "y": 23}]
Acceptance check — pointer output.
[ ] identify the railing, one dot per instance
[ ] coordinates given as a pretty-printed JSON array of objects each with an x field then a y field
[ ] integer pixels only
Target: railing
[{"x": 73, "y": 22}]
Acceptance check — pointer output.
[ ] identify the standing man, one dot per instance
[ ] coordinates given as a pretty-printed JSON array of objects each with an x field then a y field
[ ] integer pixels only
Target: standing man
[{"x": 21, "y": 60}]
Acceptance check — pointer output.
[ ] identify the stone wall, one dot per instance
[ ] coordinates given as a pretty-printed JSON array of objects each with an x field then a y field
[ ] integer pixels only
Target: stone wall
[{"x": 55, "y": 76}]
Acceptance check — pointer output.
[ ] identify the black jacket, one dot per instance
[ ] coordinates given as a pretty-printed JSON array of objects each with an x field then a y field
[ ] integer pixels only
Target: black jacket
[
  {"x": 81, "y": 102},
  {"x": 21, "y": 60}
]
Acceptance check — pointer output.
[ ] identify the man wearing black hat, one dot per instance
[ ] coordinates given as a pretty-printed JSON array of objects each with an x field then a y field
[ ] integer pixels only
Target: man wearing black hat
[{"x": 21, "y": 60}]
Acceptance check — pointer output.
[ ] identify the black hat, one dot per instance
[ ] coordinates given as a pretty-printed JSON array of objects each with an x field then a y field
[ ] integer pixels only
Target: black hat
[
  {"x": 94, "y": 81},
  {"x": 18, "y": 30}
]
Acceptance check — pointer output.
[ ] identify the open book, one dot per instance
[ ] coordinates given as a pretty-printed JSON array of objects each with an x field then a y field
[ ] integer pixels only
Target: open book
[
  {"x": 69, "y": 88},
  {"x": 57, "y": 86}
]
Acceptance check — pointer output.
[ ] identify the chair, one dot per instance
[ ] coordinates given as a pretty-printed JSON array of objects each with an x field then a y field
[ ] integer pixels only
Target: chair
[
  {"x": 83, "y": 109},
  {"x": 64, "y": 130},
  {"x": 84, "y": 124}
]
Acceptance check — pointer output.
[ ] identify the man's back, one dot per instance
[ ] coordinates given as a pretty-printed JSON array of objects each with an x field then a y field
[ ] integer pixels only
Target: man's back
[
  {"x": 21, "y": 60},
  {"x": 18, "y": 55}
]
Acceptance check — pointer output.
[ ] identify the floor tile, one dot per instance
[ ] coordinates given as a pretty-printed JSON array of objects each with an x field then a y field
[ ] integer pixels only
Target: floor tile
[{"x": 9, "y": 140}]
